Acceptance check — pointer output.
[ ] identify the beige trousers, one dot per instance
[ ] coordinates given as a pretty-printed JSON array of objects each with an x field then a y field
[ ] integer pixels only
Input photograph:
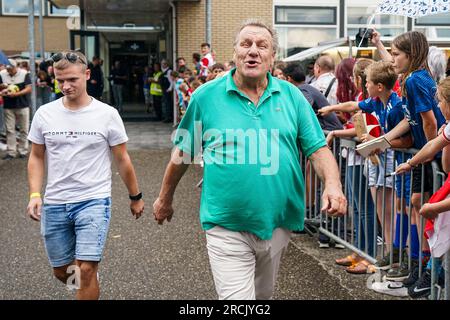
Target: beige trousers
[
  {"x": 245, "y": 267},
  {"x": 20, "y": 117}
]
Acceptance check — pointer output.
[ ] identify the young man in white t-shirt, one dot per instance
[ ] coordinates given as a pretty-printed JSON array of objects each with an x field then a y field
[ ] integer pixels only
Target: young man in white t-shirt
[{"x": 77, "y": 136}]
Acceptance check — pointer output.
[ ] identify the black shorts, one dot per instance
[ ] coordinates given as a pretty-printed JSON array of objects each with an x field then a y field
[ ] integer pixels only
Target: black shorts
[{"x": 427, "y": 181}]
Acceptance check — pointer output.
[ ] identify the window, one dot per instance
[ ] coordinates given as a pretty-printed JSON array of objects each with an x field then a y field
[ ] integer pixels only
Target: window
[
  {"x": 436, "y": 26},
  {"x": 305, "y": 15},
  {"x": 434, "y": 32},
  {"x": 18, "y": 7},
  {"x": 361, "y": 15},
  {"x": 441, "y": 19},
  {"x": 295, "y": 39},
  {"x": 65, "y": 12},
  {"x": 387, "y": 25},
  {"x": 303, "y": 27}
]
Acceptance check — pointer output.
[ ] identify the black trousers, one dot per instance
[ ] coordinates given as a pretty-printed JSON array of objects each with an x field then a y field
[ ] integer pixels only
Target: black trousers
[
  {"x": 157, "y": 104},
  {"x": 168, "y": 106}
]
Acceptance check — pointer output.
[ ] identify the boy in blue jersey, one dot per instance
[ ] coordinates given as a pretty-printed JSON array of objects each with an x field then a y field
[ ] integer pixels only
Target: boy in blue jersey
[
  {"x": 388, "y": 108},
  {"x": 385, "y": 105}
]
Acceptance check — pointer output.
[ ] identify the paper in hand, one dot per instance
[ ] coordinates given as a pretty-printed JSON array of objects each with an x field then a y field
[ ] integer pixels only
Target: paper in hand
[{"x": 366, "y": 148}]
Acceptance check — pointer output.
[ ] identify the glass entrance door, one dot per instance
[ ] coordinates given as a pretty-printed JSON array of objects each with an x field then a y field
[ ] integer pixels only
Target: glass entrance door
[{"x": 85, "y": 41}]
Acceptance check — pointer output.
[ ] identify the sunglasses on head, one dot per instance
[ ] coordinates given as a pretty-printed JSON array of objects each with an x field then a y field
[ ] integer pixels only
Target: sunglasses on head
[{"x": 69, "y": 56}]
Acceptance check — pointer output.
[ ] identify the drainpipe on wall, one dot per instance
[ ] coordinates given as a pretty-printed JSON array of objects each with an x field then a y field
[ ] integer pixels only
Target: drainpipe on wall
[
  {"x": 32, "y": 51},
  {"x": 174, "y": 58},
  {"x": 41, "y": 31},
  {"x": 208, "y": 21}
]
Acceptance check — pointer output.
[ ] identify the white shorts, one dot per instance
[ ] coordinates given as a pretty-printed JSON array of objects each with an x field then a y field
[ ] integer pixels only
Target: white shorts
[{"x": 245, "y": 267}]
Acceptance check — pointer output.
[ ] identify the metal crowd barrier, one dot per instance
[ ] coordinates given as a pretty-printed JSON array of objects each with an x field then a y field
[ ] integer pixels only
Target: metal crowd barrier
[{"x": 342, "y": 230}]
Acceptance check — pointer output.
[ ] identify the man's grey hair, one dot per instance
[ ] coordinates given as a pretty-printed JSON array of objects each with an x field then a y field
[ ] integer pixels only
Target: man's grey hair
[
  {"x": 437, "y": 63},
  {"x": 261, "y": 24},
  {"x": 326, "y": 63}
]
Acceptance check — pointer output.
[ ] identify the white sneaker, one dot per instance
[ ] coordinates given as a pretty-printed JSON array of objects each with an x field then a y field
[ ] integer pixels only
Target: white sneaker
[
  {"x": 2, "y": 146},
  {"x": 338, "y": 245},
  {"x": 391, "y": 288},
  {"x": 324, "y": 245}
]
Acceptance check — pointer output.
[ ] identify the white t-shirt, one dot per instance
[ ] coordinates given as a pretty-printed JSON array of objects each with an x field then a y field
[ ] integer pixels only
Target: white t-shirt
[
  {"x": 78, "y": 150},
  {"x": 322, "y": 84}
]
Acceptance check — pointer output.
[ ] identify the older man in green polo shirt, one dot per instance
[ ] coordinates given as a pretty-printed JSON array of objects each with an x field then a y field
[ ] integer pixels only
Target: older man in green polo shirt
[{"x": 251, "y": 129}]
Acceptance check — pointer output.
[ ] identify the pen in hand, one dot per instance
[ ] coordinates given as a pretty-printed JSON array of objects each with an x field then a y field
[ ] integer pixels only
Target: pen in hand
[{"x": 390, "y": 174}]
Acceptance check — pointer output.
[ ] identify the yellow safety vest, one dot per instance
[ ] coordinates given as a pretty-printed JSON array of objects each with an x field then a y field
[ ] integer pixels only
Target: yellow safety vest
[
  {"x": 155, "y": 88},
  {"x": 57, "y": 87}
]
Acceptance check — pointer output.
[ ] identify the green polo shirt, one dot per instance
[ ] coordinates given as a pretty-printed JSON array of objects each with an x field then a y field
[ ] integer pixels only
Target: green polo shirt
[{"x": 252, "y": 177}]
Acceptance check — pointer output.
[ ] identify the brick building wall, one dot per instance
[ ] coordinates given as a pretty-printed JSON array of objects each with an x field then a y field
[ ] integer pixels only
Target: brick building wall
[
  {"x": 14, "y": 35},
  {"x": 191, "y": 32},
  {"x": 227, "y": 16},
  {"x": 191, "y": 27},
  {"x": 226, "y": 19}
]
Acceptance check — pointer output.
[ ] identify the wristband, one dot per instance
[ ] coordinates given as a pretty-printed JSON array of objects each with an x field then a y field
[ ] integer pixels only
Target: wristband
[
  {"x": 35, "y": 195},
  {"x": 136, "y": 197}
]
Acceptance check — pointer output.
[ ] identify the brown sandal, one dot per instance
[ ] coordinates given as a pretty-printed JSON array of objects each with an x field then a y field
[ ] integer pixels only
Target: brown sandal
[
  {"x": 348, "y": 260},
  {"x": 362, "y": 267}
]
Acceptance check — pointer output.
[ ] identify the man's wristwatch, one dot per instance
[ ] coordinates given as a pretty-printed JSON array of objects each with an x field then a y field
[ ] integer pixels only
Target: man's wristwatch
[
  {"x": 136, "y": 197},
  {"x": 409, "y": 162}
]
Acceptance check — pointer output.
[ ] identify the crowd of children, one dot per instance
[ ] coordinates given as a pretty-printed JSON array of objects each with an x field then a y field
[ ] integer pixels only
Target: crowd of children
[{"x": 397, "y": 97}]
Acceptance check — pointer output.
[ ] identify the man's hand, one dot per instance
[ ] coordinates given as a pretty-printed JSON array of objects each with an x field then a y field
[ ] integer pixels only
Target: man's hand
[
  {"x": 428, "y": 212},
  {"x": 334, "y": 201},
  {"x": 162, "y": 210},
  {"x": 403, "y": 168},
  {"x": 325, "y": 110},
  {"x": 137, "y": 208},
  {"x": 34, "y": 208}
]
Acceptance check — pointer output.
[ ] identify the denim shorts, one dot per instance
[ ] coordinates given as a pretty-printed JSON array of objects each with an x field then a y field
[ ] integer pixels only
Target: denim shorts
[
  {"x": 376, "y": 172},
  {"x": 75, "y": 230}
]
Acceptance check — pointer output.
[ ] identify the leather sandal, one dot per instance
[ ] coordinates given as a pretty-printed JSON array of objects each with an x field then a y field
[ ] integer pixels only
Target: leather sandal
[
  {"x": 348, "y": 260},
  {"x": 362, "y": 267}
]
